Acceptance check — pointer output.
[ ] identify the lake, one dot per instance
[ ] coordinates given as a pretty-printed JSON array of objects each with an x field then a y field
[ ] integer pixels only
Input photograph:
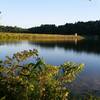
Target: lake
[{"x": 56, "y": 53}]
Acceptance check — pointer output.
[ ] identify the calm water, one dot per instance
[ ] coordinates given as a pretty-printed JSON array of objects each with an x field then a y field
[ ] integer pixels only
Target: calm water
[{"x": 87, "y": 52}]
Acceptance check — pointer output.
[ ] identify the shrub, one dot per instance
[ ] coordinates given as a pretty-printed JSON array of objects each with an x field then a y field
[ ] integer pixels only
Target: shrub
[{"x": 35, "y": 80}]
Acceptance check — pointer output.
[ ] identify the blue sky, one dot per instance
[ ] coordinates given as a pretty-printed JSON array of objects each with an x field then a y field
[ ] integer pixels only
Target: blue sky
[{"x": 29, "y": 13}]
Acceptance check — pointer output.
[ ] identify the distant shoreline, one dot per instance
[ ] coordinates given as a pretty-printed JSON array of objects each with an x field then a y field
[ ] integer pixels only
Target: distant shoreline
[{"x": 39, "y": 37}]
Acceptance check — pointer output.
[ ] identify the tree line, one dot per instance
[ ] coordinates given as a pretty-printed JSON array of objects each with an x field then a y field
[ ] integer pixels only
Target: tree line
[{"x": 90, "y": 28}]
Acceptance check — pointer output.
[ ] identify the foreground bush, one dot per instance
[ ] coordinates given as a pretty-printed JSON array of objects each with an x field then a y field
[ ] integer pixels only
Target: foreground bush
[{"x": 35, "y": 80}]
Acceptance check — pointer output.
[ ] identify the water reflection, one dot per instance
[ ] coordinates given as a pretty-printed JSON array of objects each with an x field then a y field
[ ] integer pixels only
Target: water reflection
[
  {"x": 9, "y": 42},
  {"x": 81, "y": 46},
  {"x": 78, "y": 46}
]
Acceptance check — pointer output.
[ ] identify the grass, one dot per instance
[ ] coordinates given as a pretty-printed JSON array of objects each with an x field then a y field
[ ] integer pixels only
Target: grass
[{"x": 37, "y": 37}]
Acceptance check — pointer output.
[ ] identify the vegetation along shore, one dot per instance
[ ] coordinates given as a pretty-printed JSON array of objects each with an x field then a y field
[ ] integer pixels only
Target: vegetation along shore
[{"x": 38, "y": 37}]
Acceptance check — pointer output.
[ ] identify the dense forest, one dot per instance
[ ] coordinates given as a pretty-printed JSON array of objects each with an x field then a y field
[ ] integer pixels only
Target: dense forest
[{"x": 90, "y": 28}]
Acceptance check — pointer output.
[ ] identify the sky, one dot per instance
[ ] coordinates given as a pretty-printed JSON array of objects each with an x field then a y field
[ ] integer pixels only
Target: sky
[{"x": 30, "y": 13}]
